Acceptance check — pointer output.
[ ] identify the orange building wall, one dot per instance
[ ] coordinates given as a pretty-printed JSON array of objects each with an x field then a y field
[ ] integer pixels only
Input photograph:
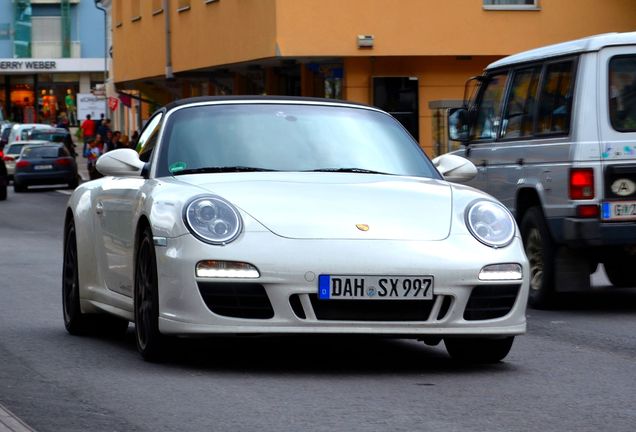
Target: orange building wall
[
  {"x": 440, "y": 27},
  {"x": 438, "y": 78}
]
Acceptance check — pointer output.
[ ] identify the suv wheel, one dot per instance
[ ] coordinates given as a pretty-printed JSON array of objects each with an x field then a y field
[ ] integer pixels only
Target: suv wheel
[
  {"x": 539, "y": 248},
  {"x": 618, "y": 268}
]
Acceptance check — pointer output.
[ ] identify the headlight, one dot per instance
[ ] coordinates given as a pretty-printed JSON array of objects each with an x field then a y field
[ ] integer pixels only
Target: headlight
[
  {"x": 490, "y": 223},
  {"x": 213, "y": 220}
]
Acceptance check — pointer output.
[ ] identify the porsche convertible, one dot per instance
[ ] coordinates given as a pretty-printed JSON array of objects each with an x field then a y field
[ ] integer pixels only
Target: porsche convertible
[{"x": 278, "y": 215}]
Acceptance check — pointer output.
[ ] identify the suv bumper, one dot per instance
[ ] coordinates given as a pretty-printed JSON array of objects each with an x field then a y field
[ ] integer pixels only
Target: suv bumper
[{"x": 592, "y": 232}]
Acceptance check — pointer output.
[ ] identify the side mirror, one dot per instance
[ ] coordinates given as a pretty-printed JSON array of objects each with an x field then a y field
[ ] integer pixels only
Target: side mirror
[
  {"x": 455, "y": 168},
  {"x": 120, "y": 163},
  {"x": 458, "y": 124}
]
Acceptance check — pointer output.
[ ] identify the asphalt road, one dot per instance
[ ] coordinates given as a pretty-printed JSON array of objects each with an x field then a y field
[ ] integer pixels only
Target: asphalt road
[{"x": 575, "y": 370}]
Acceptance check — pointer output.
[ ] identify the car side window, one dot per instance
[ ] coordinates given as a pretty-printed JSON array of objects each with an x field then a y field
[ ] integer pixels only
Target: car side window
[
  {"x": 488, "y": 115},
  {"x": 622, "y": 93},
  {"x": 148, "y": 138},
  {"x": 518, "y": 117},
  {"x": 555, "y": 100}
]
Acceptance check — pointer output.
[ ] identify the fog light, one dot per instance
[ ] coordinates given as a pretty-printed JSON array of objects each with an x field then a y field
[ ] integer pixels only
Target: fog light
[
  {"x": 501, "y": 272},
  {"x": 226, "y": 269}
]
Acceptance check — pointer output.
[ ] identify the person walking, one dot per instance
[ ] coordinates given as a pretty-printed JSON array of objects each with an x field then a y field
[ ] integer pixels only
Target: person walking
[
  {"x": 88, "y": 132},
  {"x": 92, "y": 155}
]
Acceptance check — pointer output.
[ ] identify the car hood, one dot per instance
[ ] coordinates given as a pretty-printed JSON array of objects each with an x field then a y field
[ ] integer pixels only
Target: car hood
[{"x": 337, "y": 205}]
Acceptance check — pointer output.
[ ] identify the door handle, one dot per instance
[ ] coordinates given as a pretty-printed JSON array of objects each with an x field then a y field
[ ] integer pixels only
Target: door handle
[{"x": 99, "y": 208}]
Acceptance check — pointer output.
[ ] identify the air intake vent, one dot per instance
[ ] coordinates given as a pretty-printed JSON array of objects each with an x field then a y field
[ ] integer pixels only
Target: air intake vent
[{"x": 236, "y": 300}]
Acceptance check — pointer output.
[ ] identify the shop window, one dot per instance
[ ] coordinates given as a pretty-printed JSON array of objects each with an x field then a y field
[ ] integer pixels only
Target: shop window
[{"x": 511, "y": 4}]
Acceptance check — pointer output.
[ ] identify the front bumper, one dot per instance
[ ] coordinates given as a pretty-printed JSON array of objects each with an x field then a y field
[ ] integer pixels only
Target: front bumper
[{"x": 289, "y": 277}]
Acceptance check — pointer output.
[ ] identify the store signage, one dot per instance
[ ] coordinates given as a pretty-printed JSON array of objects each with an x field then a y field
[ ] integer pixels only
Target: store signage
[
  {"x": 23, "y": 65},
  {"x": 90, "y": 104},
  {"x": 26, "y": 65}
]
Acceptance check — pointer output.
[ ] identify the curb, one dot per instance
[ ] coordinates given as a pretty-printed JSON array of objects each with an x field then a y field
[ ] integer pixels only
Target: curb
[{"x": 9, "y": 422}]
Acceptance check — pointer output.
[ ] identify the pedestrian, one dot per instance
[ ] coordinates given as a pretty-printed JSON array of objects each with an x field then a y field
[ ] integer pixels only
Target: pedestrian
[
  {"x": 88, "y": 133},
  {"x": 103, "y": 129},
  {"x": 133, "y": 139},
  {"x": 63, "y": 121},
  {"x": 124, "y": 142},
  {"x": 115, "y": 142},
  {"x": 93, "y": 154}
]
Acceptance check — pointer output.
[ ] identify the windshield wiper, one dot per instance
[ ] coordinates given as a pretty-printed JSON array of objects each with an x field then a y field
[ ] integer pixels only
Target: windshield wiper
[
  {"x": 220, "y": 169},
  {"x": 349, "y": 170}
]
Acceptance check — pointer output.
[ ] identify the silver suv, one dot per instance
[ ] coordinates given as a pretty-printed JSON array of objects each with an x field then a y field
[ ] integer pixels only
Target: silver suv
[{"x": 552, "y": 132}]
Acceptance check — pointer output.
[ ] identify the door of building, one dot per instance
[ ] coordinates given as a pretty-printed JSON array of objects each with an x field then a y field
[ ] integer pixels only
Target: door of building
[{"x": 399, "y": 97}]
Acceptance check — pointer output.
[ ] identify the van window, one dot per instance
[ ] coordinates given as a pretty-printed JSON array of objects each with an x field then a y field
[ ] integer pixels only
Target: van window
[
  {"x": 622, "y": 93},
  {"x": 555, "y": 102},
  {"x": 518, "y": 118},
  {"x": 489, "y": 111}
]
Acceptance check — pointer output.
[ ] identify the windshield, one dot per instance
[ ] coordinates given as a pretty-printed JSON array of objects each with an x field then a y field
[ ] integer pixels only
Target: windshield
[
  {"x": 14, "y": 149},
  {"x": 48, "y": 136},
  {"x": 287, "y": 137},
  {"x": 44, "y": 152}
]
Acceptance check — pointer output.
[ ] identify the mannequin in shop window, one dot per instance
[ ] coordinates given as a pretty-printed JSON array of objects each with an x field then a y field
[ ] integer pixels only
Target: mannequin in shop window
[
  {"x": 28, "y": 111},
  {"x": 49, "y": 107},
  {"x": 69, "y": 102}
]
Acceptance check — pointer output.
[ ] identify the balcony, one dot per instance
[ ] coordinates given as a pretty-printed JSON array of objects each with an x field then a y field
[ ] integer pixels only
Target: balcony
[{"x": 54, "y": 49}]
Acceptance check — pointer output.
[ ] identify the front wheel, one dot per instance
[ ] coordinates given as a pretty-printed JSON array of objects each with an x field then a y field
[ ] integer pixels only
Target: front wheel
[
  {"x": 478, "y": 350},
  {"x": 150, "y": 342},
  {"x": 539, "y": 248}
]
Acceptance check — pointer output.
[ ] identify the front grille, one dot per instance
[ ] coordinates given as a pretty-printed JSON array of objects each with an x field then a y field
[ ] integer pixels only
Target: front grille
[
  {"x": 490, "y": 301},
  {"x": 236, "y": 300},
  {"x": 616, "y": 172},
  {"x": 371, "y": 310}
]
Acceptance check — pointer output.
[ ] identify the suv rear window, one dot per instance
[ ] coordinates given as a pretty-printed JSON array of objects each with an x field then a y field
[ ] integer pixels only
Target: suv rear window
[
  {"x": 622, "y": 93},
  {"x": 43, "y": 152}
]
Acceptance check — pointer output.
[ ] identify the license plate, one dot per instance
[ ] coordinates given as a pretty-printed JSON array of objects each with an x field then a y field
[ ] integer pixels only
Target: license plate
[
  {"x": 350, "y": 287},
  {"x": 42, "y": 167},
  {"x": 623, "y": 210}
]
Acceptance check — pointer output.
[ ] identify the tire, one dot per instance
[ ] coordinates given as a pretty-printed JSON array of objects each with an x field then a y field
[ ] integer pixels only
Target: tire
[
  {"x": 620, "y": 269},
  {"x": 540, "y": 250},
  {"x": 3, "y": 192},
  {"x": 151, "y": 344},
  {"x": 478, "y": 350},
  {"x": 18, "y": 187},
  {"x": 74, "y": 183},
  {"x": 76, "y": 322}
]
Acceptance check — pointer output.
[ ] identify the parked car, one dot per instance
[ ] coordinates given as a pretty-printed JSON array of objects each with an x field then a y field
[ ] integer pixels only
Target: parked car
[
  {"x": 5, "y": 130},
  {"x": 288, "y": 215},
  {"x": 45, "y": 164},
  {"x": 20, "y": 131},
  {"x": 58, "y": 135},
  {"x": 553, "y": 131},
  {"x": 4, "y": 180},
  {"x": 12, "y": 153}
]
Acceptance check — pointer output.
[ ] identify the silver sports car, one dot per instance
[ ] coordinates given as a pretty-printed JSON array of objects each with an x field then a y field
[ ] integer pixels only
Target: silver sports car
[{"x": 274, "y": 215}]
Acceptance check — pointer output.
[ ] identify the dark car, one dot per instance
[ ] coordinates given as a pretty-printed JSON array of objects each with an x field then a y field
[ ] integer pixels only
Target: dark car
[
  {"x": 56, "y": 135},
  {"x": 4, "y": 179},
  {"x": 44, "y": 165}
]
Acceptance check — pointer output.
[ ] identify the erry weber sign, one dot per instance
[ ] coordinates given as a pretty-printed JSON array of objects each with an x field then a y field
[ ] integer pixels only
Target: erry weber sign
[
  {"x": 9, "y": 65},
  {"x": 87, "y": 103}
]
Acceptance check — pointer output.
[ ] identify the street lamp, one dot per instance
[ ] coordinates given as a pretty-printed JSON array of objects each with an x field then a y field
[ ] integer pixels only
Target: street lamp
[{"x": 100, "y": 6}]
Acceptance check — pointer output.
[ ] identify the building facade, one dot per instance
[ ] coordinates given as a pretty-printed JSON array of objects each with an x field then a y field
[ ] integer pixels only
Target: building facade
[
  {"x": 51, "y": 51},
  {"x": 409, "y": 57}
]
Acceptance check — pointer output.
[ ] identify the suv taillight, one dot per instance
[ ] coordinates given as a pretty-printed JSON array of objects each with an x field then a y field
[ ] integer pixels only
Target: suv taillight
[
  {"x": 581, "y": 183},
  {"x": 22, "y": 164}
]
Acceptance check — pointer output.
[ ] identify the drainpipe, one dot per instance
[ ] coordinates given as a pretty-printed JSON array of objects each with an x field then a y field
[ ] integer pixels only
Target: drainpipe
[
  {"x": 166, "y": 13},
  {"x": 101, "y": 7}
]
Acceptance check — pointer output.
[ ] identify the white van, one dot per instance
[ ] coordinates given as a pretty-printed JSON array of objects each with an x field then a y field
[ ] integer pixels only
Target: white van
[
  {"x": 552, "y": 132},
  {"x": 20, "y": 131}
]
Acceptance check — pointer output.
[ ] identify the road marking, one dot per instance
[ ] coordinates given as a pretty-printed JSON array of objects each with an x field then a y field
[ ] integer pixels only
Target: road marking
[{"x": 10, "y": 423}]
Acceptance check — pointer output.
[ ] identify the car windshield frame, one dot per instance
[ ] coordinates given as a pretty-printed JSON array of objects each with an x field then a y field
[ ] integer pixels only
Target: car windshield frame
[{"x": 310, "y": 121}]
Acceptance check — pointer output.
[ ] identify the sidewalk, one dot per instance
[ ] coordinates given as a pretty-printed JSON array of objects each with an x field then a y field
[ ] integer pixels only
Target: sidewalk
[
  {"x": 82, "y": 168},
  {"x": 10, "y": 423}
]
